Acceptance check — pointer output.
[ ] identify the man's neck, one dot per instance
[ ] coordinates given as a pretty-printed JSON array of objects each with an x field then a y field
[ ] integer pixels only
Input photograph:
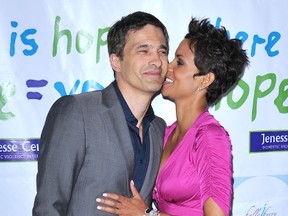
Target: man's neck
[
  {"x": 137, "y": 101},
  {"x": 138, "y": 105}
]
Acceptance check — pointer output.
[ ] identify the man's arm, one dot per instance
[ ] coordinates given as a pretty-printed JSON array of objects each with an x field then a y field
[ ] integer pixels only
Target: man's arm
[{"x": 60, "y": 157}]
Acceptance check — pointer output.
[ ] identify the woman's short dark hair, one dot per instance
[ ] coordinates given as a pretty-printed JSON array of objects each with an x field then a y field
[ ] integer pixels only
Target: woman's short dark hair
[
  {"x": 215, "y": 52},
  {"x": 116, "y": 38}
]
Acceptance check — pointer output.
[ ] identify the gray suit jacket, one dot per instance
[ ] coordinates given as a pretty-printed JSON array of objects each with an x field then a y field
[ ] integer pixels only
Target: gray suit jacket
[{"x": 86, "y": 150}]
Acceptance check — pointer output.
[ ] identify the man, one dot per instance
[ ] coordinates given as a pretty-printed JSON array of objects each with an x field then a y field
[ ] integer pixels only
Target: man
[{"x": 99, "y": 141}]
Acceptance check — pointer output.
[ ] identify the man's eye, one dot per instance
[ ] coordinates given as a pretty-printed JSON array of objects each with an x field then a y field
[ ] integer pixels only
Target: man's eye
[
  {"x": 179, "y": 62},
  {"x": 143, "y": 51},
  {"x": 163, "y": 52}
]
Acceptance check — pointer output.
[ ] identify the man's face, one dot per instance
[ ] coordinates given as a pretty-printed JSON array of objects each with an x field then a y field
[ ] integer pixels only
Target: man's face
[{"x": 145, "y": 61}]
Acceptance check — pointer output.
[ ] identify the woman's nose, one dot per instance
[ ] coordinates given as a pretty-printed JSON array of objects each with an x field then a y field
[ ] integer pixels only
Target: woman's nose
[{"x": 170, "y": 67}]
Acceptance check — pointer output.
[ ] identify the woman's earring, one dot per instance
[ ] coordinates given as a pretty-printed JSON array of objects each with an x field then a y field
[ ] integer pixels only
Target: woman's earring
[{"x": 199, "y": 88}]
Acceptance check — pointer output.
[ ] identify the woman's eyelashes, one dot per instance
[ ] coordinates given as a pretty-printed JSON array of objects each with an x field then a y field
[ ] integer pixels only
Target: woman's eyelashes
[{"x": 179, "y": 62}]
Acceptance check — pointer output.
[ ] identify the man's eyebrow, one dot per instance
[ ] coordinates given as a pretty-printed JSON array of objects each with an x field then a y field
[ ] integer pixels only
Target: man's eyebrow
[
  {"x": 164, "y": 47},
  {"x": 142, "y": 46}
]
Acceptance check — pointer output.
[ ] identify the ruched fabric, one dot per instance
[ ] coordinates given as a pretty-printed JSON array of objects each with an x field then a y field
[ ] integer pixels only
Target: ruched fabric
[{"x": 200, "y": 167}]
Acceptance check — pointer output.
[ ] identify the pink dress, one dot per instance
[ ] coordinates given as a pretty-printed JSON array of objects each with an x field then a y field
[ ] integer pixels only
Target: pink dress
[{"x": 200, "y": 167}]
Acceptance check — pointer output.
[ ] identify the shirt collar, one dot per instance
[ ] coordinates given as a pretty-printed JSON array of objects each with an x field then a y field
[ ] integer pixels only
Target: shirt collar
[{"x": 128, "y": 114}]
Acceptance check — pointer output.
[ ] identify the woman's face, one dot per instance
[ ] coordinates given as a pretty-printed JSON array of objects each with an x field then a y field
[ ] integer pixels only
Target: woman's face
[{"x": 180, "y": 82}]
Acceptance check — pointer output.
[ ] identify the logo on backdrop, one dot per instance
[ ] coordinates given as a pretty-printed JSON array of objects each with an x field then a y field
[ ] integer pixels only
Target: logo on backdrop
[
  {"x": 261, "y": 211},
  {"x": 267, "y": 141},
  {"x": 19, "y": 150}
]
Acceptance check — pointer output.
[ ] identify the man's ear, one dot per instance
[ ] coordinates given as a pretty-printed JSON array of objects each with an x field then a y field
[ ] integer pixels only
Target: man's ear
[
  {"x": 208, "y": 79},
  {"x": 115, "y": 62}
]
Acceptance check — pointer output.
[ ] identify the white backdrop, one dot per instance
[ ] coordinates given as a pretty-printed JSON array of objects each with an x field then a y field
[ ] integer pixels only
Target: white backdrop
[{"x": 52, "y": 48}]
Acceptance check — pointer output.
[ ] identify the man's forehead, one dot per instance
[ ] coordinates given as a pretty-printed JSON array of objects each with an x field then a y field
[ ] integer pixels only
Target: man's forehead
[{"x": 146, "y": 38}]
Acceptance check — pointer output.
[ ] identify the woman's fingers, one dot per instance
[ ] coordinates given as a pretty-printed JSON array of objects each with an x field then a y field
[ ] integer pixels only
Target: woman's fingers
[
  {"x": 134, "y": 190},
  {"x": 120, "y": 205},
  {"x": 108, "y": 202},
  {"x": 107, "y": 209},
  {"x": 111, "y": 206}
]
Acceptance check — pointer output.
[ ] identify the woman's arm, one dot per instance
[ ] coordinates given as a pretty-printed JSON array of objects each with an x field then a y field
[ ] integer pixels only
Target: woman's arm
[
  {"x": 214, "y": 160},
  {"x": 212, "y": 209}
]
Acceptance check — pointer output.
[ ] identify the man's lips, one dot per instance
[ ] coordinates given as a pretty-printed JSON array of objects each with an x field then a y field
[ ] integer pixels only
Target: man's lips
[{"x": 153, "y": 73}]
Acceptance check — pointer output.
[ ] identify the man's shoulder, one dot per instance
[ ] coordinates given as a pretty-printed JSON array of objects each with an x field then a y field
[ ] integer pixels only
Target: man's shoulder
[{"x": 87, "y": 96}]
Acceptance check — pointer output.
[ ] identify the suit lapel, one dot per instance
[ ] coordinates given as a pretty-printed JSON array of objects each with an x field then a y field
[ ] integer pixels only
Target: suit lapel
[
  {"x": 155, "y": 155},
  {"x": 115, "y": 123}
]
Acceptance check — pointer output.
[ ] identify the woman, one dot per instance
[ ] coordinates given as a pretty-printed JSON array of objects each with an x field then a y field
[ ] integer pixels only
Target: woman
[{"x": 195, "y": 175}]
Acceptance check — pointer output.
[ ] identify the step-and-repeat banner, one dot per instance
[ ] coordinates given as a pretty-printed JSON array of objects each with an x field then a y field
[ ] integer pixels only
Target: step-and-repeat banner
[{"x": 53, "y": 48}]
